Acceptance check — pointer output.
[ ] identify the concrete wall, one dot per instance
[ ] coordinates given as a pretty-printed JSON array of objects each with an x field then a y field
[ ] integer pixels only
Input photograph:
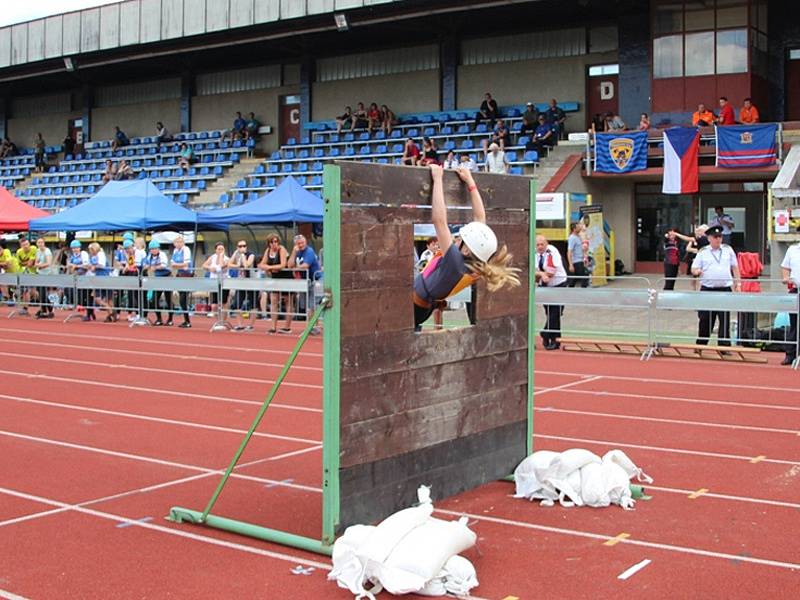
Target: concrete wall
[
  {"x": 53, "y": 128},
  {"x": 402, "y": 92},
  {"x": 536, "y": 80},
  {"x": 135, "y": 119},
  {"x": 218, "y": 111}
]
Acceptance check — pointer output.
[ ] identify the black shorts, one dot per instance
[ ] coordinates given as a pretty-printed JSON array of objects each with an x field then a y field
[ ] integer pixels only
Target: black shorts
[
  {"x": 421, "y": 315},
  {"x": 244, "y": 300}
]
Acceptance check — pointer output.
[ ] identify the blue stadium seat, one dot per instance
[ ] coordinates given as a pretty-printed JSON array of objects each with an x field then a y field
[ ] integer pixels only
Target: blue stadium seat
[
  {"x": 291, "y": 141},
  {"x": 270, "y": 182},
  {"x": 174, "y": 185},
  {"x": 218, "y": 171},
  {"x": 426, "y": 118},
  {"x": 183, "y": 199},
  {"x": 446, "y": 130},
  {"x": 161, "y": 185},
  {"x": 428, "y": 131},
  {"x": 286, "y": 168},
  {"x": 334, "y": 137},
  {"x": 317, "y": 166},
  {"x": 382, "y": 149},
  {"x": 363, "y": 137},
  {"x": 383, "y": 161},
  {"x": 316, "y": 180},
  {"x": 349, "y": 151},
  {"x": 516, "y": 127},
  {"x": 203, "y": 135},
  {"x": 302, "y": 167},
  {"x": 467, "y": 144},
  {"x": 301, "y": 179},
  {"x": 302, "y": 153},
  {"x": 252, "y": 196},
  {"x": 413, "y": 132},
  {"x": 319, "y": 153},
  {"x": 460, "y": 116},
  {"x": 396, "y": 134},
  {"x": 348, "y": 137},
  {"x": 90, "y": 189},
  {"x": 334, "y": 152},
  {"x": 73, "y": 202},
  {"x": 482, "y": 128},
  {"x": 380, "y": 135},
  {"x": 172, "y": 161},
  {"x": 511, "y": 156},
  {"x": 515, "y": 170},
  {"x": 530, "y": 156},
  {"x": 449, "y": 145},
  {"x": 397, "y": 148},
  {"x": 272, "y": 168},
  {"x": 513, "y": 113},
  {"x": 62, "y": 203},
  {"x": 142, "y": 175},
  {"x": 523, "y": 139},
  {"x": 201, "y": 185},
  {"x": 463, "y": 129},
  {"x": 40, "y": 204},
  {"x": 50, "y": 204}
]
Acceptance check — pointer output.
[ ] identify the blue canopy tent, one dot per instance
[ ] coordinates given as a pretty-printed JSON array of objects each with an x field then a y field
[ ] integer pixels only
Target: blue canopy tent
[
  {"x": 290, "y": 202},
  {"x": 120, "y": 205}
]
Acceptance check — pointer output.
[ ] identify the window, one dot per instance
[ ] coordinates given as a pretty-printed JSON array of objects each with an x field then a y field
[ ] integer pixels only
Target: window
[
  {"x": 697, "y": 38},
  {"x": 601, "y": 70}
]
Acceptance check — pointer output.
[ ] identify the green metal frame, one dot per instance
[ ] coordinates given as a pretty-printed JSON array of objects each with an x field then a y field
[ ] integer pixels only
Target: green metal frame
[{"x": 331, "y": 380}]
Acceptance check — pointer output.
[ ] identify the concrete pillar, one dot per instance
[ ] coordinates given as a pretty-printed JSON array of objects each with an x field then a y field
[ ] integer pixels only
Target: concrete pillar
[
  {"x": 307, "y": 76},
  {"x": 448, "y": 68},
  {"x": 86, "y": 112},
  {"x": 634, "y": 66},
  {"x": 4, "y": 106},
  {"x": 187, "y": 91}
]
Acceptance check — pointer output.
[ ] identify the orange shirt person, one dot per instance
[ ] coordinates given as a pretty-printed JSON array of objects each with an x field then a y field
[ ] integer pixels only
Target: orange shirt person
[
  {"x": 703, "y": 117},
  {"x": 748, "y": 114}
]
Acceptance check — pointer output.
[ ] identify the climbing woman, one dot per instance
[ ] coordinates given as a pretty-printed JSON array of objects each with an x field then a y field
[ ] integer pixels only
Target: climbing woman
[{"x": 460, "y": 264}]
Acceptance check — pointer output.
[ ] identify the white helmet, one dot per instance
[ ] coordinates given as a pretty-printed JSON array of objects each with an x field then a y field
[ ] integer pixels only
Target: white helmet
[{"x": 480, "y": 239}]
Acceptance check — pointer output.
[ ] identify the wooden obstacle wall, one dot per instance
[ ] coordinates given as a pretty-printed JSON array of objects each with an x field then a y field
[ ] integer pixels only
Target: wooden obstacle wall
[{"x": 446, "y": 409}]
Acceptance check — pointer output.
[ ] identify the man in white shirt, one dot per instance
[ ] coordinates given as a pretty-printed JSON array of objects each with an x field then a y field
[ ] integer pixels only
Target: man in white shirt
[
  {"x": 718, "y": 270},
  {"x": 723, "y": 220},
  {"x": 496, "y": 160},
  {"x": 550, "y": 273},
  {"x": 790, "y": 267}
]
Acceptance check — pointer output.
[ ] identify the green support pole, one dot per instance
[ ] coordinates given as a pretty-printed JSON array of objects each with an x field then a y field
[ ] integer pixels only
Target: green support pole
[
  {"x": 531, "y": 311},
  {"x": 331, "y": 365},
  {"x": 264, "y": 407}
]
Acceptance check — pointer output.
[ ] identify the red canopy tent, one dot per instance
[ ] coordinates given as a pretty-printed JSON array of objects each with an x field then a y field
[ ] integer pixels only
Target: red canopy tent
[{"x": 15, "y": 214}]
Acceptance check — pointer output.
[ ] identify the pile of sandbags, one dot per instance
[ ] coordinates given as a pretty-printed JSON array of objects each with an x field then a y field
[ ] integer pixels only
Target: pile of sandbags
[
  {"x": 578, "y": 477},
  {"x": 408, "y": 552}
]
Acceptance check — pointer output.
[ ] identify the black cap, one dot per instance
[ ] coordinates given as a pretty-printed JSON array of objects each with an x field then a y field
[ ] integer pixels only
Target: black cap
[{"x": 716, "y": 230}]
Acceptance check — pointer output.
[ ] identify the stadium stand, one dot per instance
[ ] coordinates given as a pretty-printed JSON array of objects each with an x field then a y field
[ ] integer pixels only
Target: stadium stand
[{"x": 15, "y": 169}]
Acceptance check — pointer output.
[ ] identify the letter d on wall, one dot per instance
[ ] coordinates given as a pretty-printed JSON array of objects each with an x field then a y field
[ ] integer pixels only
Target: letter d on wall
[{"x": 606, "y": 90}]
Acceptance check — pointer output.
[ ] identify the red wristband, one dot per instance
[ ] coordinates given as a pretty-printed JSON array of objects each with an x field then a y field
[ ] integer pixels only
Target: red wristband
[{"x": 472, "y": 188}]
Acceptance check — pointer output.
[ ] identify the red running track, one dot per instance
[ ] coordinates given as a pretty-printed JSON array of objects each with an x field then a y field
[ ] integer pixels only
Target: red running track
[{"x": 103, "y": 428}]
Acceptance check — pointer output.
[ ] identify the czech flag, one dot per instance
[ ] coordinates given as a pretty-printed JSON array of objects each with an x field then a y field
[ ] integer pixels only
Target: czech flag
[{"x": 681, "y": 151}]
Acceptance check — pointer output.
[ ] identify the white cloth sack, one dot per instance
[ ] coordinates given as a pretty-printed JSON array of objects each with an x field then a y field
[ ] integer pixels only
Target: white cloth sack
[
  {"x": 457, "y": 577},
  {"x": 527, "y": 485}
]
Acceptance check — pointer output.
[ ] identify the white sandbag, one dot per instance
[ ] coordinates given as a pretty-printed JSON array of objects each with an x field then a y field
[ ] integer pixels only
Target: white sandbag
[
  {"x": 593, "y": 486},
  {"x": 620, "y": 458},
  {"x": 457, "y": 577},
  {"x": 527, "y": 485},
  {"x": 348, "y": 570},
  {"x": 562, "y": 476},
  {"x": 618, "y": 485}
]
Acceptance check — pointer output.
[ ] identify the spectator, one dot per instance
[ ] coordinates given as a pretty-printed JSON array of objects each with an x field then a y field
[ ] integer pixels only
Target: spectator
[
  {"x": 120, "y": 139},
  {"x": 373, "y": 118},
  {"x": 186, "y": 156},
  {"x": 718, "y": 270},
  {"x": 78, "y": 264},
  {"x": 44, "y": 266},
  {"x": 359, "y": 118},
  {"x": 724, "y": 221},
  {"x": 726, "y": 116},
  {"x": 240, "y": 265},
  {"x": 748, "y": 114},
  {"x": 431, "y": 248},
  {"x": 39, "y": 153},
  {"x": 410, "y": 153},
  {"x": 496, "y": 160},
  {"x": 273, "y": 263},
  {"x": 556, "y": 117},
  {"x": 69, "y": 144},
  {"x": 672, "y": 259},
  {"x": 499, "y": 136},
  {"x": 344, "y": 119},
  {"x": 644, "y": 122},
  {"x": 576, "y": 257},
  {"x": 703, "y": 117},
  {"x": 4, "y": 147},
  {"x": 162, "y": 133},
  {"x": 26, "y": 261},
  {"x": 544, "y": 137},
  {"x": 98, "y": 267},
  {"x": 389, "y": 119},
  {"x": 614, "y": 123},
  {"x": 468, "y": 163},
  {"x": 181, "y": 263},
  {"x": 790, "y": 269},
  {"x": 303, "y": 257},
  {"x": 430, "y": 155},
  {"x": 8, "y": 264},
  {"x": 530, "y": 119},
  {"x": 693, "y": 246},
  {"x": 128, "y": 266},
  {"x": 155, "y": 264},
  {"x": 110, "y": 172},
  {"x": 251, "y": 127},
  {"x": 239, "y": 125},
  {"x": 488, "y": 111},
  {"x": 217, "y": 267},
  {"x": 451, "y": 162},
  {"x": 550, "y": 273},
  {"x": 124, "y": 171}
]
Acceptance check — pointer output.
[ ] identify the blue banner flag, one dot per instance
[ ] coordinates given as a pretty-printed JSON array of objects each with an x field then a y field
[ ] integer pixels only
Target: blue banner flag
[
  {"x": 620, "y": 152},
  {"x": 746, "y": 146}
]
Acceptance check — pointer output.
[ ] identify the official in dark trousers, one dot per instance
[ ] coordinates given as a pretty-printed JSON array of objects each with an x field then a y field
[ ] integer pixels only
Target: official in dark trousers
[
  {"x": 790, "y": 268},
  {"x": 550, "y": 273},
  {"x": 718, "y": 270}
]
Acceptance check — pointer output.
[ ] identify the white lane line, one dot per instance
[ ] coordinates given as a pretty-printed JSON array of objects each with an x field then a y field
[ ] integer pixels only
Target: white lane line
[
  {"x": 672, "y": 381},
  {"x": 115, "y": 413},
  {"x": 177, "y": 372},
  {"x": 634, "y": 569},
  {"x": 188, "y": 358},
  {"x": 632, "y": 541},
  {"x": 662, "y": 449},
  {"x": 766, "y": 501},
  {"x": 148, "y": 459},
  {"x": 605, "y": 394},
  {"x": 11, "y": 596},
  {"x": 793, "y": 432},
  {"x": 159, "y": 391},
  {"x": 565, "y": 386},
  {"x": 190, "y": 344},
  {"x": 168, "y": 530}
]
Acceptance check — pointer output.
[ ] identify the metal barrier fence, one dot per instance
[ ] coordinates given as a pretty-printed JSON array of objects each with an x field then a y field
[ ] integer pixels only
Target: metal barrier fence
[{"x": 235, "y": 302}]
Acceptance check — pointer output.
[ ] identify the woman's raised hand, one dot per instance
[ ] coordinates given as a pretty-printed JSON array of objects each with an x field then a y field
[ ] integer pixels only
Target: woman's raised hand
[
  {"x": 464, "y": 174},
  {"x": 437, "y": 172}
]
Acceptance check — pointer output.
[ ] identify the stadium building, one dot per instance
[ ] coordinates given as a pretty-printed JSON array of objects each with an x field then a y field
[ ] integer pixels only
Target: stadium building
[{"x": 296, "y": 64}]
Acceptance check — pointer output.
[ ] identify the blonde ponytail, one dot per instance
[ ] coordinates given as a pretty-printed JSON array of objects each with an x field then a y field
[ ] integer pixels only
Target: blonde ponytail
[{"x": 497, "y": 271}]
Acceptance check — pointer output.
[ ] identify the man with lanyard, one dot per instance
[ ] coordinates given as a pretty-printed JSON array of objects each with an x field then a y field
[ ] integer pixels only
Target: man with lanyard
[
  {"x": 155, "y": 264},
  {"x": 725, "y": 222},
  {"x": 575, "y": 257},
  {"x": 240, "y": 265},
  {"x": 790, "y": 267},
  {"x": 718, "y": 270},
  {"x": 128, "y": 265},
  {"x": 181, "y": 262},
  {"x": 550, "y": 273},
  {"x": 26, "y": 259},
  {"x": 78, "y": 264},
  {"x": 556, "y": 117},
  {"x": 303, "y": 257}
]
